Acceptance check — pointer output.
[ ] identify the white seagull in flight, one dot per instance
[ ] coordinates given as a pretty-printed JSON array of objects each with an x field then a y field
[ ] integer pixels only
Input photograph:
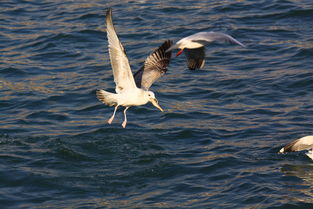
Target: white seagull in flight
[
  {"x": 304, "y": 143},
  {"x": 128, "y": 92},
  {"x": 194, "y": 46}
]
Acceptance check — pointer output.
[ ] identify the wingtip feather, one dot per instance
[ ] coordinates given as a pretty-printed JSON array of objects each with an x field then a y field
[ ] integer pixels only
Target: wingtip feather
[
  {"x": 109, "y": 12},
  {"x": 108, "y": 17}
]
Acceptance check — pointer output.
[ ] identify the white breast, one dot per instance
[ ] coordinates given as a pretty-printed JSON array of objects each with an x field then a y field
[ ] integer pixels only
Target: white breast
[{"x": 133, "y": 97}]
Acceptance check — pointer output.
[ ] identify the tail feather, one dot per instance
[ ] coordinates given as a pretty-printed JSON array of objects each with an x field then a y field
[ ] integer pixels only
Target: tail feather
[{"x": 107, "y": 97}]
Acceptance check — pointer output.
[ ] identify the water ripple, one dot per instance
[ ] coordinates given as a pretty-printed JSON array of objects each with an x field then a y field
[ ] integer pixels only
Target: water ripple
[{"x": 216, "y": 144}]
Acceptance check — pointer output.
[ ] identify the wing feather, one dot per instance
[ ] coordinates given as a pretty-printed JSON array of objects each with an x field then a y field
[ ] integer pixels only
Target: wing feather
[
  {"x": 154, "y": 67},
  {"x": 195, "y": 57},
  {"x": 208, "y": 37},
  {"x": 123, "y": 77},
  {"x": 303, "y": 143}
]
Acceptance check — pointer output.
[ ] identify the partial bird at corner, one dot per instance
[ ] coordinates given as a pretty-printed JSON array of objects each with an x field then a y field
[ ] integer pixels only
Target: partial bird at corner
[
  {"x": 304, "y": 143},
  {"x": 132, "y": 90},
  {"x": 194, "y": 46}
]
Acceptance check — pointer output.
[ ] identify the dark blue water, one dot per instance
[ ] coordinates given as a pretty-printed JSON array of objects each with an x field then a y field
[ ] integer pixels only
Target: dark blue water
[{"x": 216, "y": 144}]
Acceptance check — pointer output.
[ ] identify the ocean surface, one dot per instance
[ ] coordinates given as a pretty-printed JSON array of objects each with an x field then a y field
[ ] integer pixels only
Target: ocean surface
[{"x": 216, "y": 144}]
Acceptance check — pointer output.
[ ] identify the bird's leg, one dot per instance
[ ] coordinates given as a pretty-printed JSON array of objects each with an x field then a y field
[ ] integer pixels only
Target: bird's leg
[
  {"x": 180, "y": 51},
  {"x": 125, "y": 118},
  {"x": 112, "y": 117}
]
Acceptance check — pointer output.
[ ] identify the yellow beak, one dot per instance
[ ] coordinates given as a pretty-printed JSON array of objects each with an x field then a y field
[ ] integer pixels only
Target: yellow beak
[{"x": 156, "y": 104}]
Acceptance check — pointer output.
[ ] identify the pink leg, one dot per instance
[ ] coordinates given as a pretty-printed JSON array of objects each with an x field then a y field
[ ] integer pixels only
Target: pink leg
[
  {"x": 112, "y": 117},
  {"x": 180, "y": 51},
  {"x": 125, "y": 118}
]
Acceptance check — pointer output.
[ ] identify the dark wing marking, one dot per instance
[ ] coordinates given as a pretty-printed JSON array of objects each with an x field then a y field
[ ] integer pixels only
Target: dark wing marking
[
  {"x": 154, "y": 67},
  {"x": 297, "y": 145},
  {"x": 289, "y": 147},
  {"x": 195, "y": 57}
]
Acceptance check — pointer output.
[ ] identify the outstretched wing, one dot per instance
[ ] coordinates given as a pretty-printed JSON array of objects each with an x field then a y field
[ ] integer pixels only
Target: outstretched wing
[
  {"x": 208, "y": 37},
  {"x": 195, "y": 57},
  {"x": 303, "y": 143},
  {"x": 154, "y": 67},
  {"x": 123, "y": 77}
]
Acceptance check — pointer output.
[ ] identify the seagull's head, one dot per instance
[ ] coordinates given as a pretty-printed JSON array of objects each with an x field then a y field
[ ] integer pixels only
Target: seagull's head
[
  {"x": 153, "y": 100},
  {"x": 179, "y": 45}
]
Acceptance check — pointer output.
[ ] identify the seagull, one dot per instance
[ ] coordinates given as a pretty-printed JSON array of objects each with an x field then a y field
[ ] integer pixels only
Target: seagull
[
  {"x": 193, "y": 46},
  {"x": 132, "y": 90},
  {"x": 304, "y": 143}
]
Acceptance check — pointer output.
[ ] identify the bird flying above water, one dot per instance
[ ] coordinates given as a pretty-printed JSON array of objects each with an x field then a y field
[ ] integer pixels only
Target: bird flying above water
[
  {"x": 304, "y": 143},
  {"x": 132, "y": 90},
  {"x": 194, "y": 46}
]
